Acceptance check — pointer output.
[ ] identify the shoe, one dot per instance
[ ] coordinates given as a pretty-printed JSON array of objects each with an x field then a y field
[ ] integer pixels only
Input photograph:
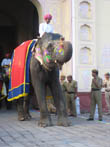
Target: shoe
[
  {"x": 90, "y": 119},
  {"x": 70, "y": 115},
  {"x": 108, "y": 113},
  {"x": 100, "y": 119},
  {"x": 74, "y": 115}
]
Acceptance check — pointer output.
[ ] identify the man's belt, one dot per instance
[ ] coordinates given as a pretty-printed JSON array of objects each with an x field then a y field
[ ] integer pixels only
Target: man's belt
[
  {"x": 6, "y": 66},
  {"x": 107, "y": 90},
  {"x": 70, "y": 92},
  {"x": 95, "y": 89}
]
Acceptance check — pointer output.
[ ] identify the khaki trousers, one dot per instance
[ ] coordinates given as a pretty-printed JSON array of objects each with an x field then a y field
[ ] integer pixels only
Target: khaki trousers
[
  {"x": 107, "y": 99},
  {"x": 96, "y": 98},
  {"x": 71, "y": 106}
]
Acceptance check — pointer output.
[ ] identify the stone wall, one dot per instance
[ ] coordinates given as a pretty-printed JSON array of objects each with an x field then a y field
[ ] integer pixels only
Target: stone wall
[{"x": 61, "y": 12}]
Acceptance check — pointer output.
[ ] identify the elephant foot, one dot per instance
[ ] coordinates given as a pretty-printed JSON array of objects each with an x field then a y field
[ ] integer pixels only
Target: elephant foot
[
  {"x": 63, "y": 122},
  {"x": 28, "y": 116},
  {"x": 45, "y": 123},
  {"x": 21, "y": 118}
]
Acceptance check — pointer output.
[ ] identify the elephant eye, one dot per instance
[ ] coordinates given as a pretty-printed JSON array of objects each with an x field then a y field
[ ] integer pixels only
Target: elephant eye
[{"x": 50, "y": 47}]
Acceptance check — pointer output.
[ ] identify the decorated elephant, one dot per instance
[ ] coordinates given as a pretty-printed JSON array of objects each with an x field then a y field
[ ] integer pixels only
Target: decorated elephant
[{"x": 49, "y": 53}]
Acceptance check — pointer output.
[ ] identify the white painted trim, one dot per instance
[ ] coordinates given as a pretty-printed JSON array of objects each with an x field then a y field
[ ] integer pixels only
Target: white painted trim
[{"x": 73, "y": 38}]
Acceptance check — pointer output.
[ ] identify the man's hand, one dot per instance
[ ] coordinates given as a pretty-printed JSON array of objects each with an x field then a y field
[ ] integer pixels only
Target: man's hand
[
  {"x": 107, "y": 90},
  {"x": 75, "y": 96},
  {"x": 105, "y": 85},
  {"x": 94, "y": 80}
]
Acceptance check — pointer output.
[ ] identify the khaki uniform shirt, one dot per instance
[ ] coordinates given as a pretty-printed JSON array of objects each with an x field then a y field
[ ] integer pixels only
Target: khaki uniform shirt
[
  {"x": 71, "y": 86},
  {"x": 99, "y": 84},
  {"x": 107, "y": 82},
  {"x": 63, "y": 85}
]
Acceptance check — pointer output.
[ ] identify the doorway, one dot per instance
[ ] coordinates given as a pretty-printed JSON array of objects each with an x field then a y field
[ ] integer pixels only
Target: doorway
[{"x": 19, "y": 21}]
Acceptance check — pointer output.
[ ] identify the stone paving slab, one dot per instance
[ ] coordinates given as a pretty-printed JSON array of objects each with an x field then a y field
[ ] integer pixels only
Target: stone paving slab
[{"x": 27, "y": 134}]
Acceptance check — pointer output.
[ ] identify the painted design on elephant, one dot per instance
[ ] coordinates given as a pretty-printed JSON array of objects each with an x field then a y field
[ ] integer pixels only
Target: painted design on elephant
[
  {"x": 46, "y": 56},
  {"x": 47, "y": 59},
  {"x": 59, "y": 50},
  {"x": 46, "y": 52},
  {"x": 38, "y": 54}
]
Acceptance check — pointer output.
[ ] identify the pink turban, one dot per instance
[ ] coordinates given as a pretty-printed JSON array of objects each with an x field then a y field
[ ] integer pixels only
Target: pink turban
[
  {"x": 7, "y": 55},
  {"x": 48, "y": 16}
]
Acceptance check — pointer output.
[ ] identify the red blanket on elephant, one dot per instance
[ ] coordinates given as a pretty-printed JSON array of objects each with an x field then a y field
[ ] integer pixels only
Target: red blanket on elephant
[{"x": 19, "y": 79}]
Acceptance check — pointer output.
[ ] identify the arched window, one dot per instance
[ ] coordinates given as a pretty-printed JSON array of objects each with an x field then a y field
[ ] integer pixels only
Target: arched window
[
  {"x": 85, "y": 10},
  {"x": 85, "y": 55},
  {"x": 85, "y": 33}
]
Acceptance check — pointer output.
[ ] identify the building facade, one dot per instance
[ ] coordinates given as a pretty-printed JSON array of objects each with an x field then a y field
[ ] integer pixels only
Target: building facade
[
  {"x": 86, "y": 24},
  {"x": 83, "y": 22}
]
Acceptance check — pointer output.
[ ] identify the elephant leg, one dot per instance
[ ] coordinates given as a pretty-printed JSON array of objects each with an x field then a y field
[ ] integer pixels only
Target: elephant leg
[
  {"x": 20, "y": 109},
  {"x": 26, "y": 108},
  {"x": 59, "y": 103},
  {"x": 38, "y": 77},
  {"x": 40, "y": 91}
]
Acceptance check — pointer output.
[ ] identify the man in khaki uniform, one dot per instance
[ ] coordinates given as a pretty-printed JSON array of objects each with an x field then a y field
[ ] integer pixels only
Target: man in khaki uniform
[
  {"x": 96, "y": 95},
  {"x": 106, "y": 85},
  {"x": 71, "y": 88}
]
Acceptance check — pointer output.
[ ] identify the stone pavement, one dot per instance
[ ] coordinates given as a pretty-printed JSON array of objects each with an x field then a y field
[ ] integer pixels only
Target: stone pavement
[{"x": 27, "y": 134}]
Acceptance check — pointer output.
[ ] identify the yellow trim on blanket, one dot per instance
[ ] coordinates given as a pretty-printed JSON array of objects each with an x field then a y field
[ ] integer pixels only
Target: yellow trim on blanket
[
  {"x": 25, "y": 64},
  {"x": 19, "y": 86},
  {"x": 17, "y": 97}
]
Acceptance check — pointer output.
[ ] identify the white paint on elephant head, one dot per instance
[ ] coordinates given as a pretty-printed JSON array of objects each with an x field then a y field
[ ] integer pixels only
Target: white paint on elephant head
[{"x": 38, "y": 55}]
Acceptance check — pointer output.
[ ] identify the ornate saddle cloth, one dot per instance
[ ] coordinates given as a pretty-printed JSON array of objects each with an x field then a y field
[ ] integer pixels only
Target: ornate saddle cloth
[{"x": 19, "y": 82}]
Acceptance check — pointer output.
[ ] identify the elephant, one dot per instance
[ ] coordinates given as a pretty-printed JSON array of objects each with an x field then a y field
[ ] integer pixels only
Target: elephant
[{"x": 54, "y": 51}]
